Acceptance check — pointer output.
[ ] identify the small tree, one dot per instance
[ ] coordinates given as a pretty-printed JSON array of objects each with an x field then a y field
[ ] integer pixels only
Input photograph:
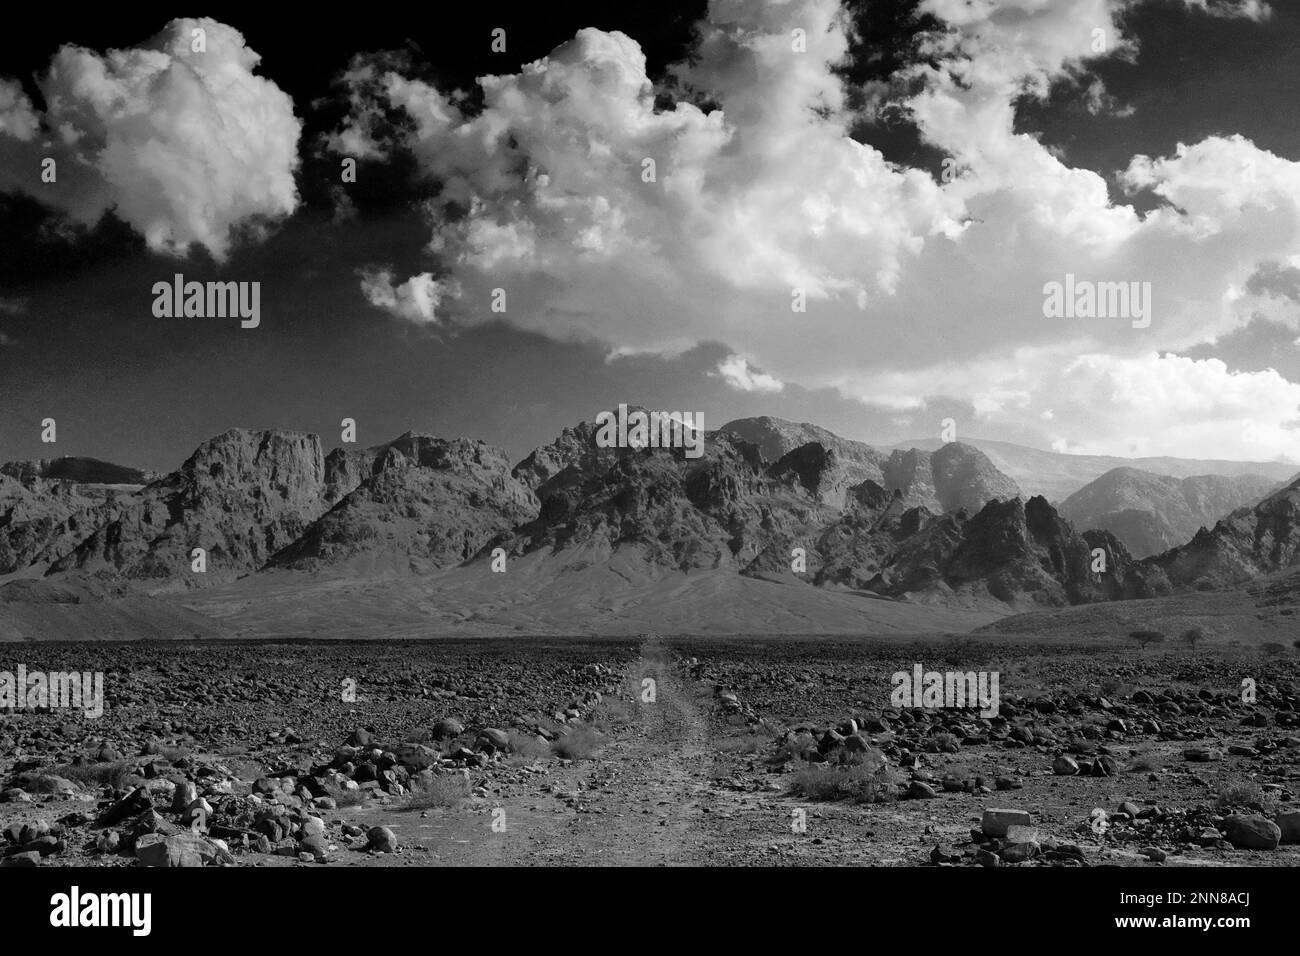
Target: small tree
[
  {"x": 1147, "y": 637},
  {"x": 1193, "y": 636}
]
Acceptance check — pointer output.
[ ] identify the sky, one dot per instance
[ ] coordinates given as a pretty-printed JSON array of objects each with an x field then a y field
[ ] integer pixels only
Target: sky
[{"x": 844, "y": 213}]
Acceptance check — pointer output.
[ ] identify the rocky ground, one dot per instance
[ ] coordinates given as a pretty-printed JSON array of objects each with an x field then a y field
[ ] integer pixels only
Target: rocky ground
[{"x": 652, "y": 751}]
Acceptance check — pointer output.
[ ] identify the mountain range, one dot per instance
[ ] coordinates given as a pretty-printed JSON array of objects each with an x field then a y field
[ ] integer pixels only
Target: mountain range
[
  {"x": 776, "y": 526},
  {"x": 1057, "y": 475}
]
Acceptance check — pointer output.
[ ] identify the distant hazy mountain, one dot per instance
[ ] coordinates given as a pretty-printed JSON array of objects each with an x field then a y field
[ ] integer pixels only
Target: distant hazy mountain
[
  {"x": 1056, "y": 476},
  {"x": 953, "y": 476},
  {"x": 1152, "y": 513}
]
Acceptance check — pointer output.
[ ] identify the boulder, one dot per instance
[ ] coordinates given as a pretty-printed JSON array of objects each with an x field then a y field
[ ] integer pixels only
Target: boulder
[
  {"x": 1250, "y": 831},
  {"x": 996, "y": 822}
]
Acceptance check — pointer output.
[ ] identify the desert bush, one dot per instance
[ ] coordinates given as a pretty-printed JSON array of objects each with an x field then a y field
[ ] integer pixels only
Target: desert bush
[
  {"x": 800, "y": 747},
  {"x": 447, "y": 790},
  {"x": 943, "y": 742},
  {"x": 580, "y": 743},
  {"x": 1148, "y": 763},
  {"x": 110, "y": 774},
  {"x": 346, "y": 798},
  {"x": 246, "y": 770},
  {"x": 869, "y": 780},
  {"x": 169, "y": 752},
  {"x": 528, "y": 746},
  {"x": 1248, "y": 795}
]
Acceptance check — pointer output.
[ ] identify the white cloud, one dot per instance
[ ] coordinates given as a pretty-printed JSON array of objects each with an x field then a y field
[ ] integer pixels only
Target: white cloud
[
  {"x": 1173, "y": 405},
  {"x": 415, "y": 300},
  {"x": 17, "y": 118},
  {"x": 735, "y": 370},
  {"x": 185, "y": 146},
  {"x": 1257, "y": 10},
  {"x": 757, "y": 199},
  {"x": 1146, "y": 404},
  {"x": 914, "y": 289}
]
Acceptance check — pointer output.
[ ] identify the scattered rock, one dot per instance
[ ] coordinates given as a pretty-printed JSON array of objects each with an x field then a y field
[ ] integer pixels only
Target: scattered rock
[
  {"x": 1064, "y": 766},
  {"x": 1252, "y": 832},
  {"x": 381, "y": 839}
]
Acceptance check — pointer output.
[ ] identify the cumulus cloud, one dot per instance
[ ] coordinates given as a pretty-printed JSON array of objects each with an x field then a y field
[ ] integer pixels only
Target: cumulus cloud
[
  {"x": 736, "y": 371},
  {"x": 17, "y": 118},
  {"x": 1257, "y": 10},
  {"x": 760, "y": 198},
  {"x": 1168, "y": 404},
  {"x": 415, "y": 300},
  {"x": 652, "y": 229},
  {"x": 184, "y": 145}
]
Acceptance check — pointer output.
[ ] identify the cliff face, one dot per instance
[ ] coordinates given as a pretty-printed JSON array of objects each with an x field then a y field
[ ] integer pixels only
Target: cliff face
[
  {"x": 241, "y": 496},
  {"x": 423, "y": 503}
]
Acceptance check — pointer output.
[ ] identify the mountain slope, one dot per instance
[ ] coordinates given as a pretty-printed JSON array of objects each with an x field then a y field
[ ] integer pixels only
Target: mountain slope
[
  {"x": 1247, "y": 544},
  {"x": 241, "y": 496},
  {"x": 1152, "y": 513},
  {"x": 426, "y": 502},
  {"x": 1015, "y": 552},
  {"x": 41, "y": 518}
]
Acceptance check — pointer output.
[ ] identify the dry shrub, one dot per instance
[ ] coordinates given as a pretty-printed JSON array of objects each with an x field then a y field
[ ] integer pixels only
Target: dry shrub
[
  {"x": 868, "y": 780},
  {"x": 580, "y": 743},
  {"x": 111, "y": 774},
  {"x": 1246, "y": 795},
  {"x": 444, "y": 791}
]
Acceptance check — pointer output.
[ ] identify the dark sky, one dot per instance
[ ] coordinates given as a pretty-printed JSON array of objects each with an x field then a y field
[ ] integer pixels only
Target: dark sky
[{"x": 81, "y": 345}]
